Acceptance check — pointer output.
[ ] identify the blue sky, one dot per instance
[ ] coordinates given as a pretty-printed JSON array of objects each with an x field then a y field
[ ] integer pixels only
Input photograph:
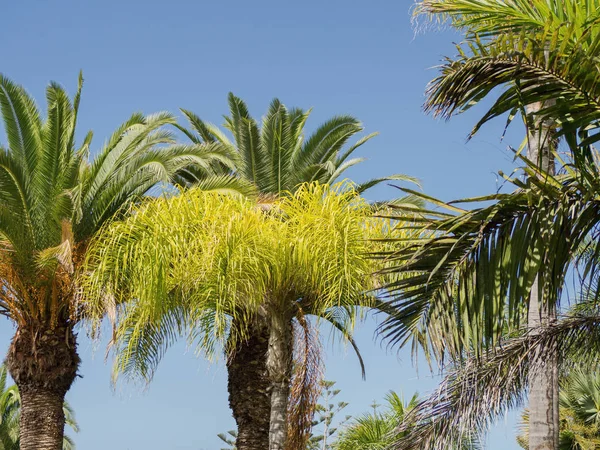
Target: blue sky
[{"x": 360, "y": 58}]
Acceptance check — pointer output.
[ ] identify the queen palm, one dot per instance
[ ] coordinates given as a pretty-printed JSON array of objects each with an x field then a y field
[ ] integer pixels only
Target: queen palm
[
  {"x": 457, "y": 284},
  {"x": 223, "y": 259},
  {"x": 53, "y": 199},
  {"x": 276, "y": 158},
  {"x": 541, "y": 55},
  {"x": 579, "y": 412}
]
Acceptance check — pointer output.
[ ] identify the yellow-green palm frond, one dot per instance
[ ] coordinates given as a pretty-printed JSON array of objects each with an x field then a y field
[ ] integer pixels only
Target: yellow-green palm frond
[
  {"x": 324, "y": 259},
  {"x": 201, "y": 249},
  {"x": 190, "y": 263}
]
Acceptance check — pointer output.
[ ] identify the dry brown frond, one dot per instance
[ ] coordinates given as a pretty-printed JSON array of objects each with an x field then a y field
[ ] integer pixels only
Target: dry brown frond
[
  {"x": 306, "y": 386},
  {"x": 473, "y": 394}
]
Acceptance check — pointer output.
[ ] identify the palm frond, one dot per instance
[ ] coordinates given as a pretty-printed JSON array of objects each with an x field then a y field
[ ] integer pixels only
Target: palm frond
[
  {"x": 458, "y": 274},
  {"x": 475, "y": 393}
]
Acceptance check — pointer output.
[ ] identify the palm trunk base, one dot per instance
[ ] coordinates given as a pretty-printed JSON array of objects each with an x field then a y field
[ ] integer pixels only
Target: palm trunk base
[
  {"x": 42, "y": 420},
  {"x": 43, "y": 365}
]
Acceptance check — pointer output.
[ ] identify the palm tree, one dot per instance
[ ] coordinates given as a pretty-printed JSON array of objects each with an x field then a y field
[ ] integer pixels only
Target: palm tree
[
  {"x": 379, "y": 430},
  {"x": 579, "y": 413},
  {"x": 10, "y": 411},
  {"x": 217, "y": 259},
  {"x": 276, "y": 158},
  {"x": 53, "y": 200},
  {"x": 541, "y": 56},
  {"x": 457, "y": 283},
  {"x": 375, "y": 431}
]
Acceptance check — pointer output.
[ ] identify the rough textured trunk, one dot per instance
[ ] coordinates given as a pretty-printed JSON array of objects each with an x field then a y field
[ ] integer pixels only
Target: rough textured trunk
[
  {"x": 248, "y": 385},
  {"x": 543, "y": 383},
  {"x": 43, "y": 363},
  {"x": 279, "y": 364}
]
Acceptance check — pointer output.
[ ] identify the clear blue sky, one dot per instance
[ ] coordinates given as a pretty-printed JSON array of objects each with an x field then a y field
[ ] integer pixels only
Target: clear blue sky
[{"x": 361, "y": 58}]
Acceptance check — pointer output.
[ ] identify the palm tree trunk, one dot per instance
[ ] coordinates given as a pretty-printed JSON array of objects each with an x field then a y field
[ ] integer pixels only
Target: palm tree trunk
[
  {"x": 543, "y": 383},
  {"x": 543, "y": 386},
  {"x": 279, "y": 364},
  {"x": 43, "y": 363},
  {"x": 248, "y": 385}
]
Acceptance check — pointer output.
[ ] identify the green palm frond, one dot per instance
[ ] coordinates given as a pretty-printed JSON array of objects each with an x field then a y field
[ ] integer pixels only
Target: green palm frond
[
  {"x": 375, "y": 431},
  {"x": 491, "y": 18},
  {"x": 459, "y": 274},
  {"x": 579, "y": 410},
  {"x": 48, "y": 185},
  {"x": 532, "y": 51},
  {"x": 277, "y": 156}
]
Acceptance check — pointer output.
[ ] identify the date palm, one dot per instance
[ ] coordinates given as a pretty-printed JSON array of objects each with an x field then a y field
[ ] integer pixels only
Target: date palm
[
  {"x": 10, "y": 411},
  {"x": 219, "y": 259},
  {"x": 276, "y": 157},
  {"x": 53, "y": 199}
]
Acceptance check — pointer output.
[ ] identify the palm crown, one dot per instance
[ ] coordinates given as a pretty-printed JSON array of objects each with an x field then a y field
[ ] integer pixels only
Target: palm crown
[
  {"x": 277, "y": 157},
  {"x": 533, "y": 50},
  {"x": 53, "y": 199}
]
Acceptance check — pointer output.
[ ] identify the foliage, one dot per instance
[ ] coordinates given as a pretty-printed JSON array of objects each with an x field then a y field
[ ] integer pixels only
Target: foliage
[
  {"x": 229, "y": 439},
  {"x": 460, "y": 279},
  {"x": 53, "y": 198},
  {"x": 532, "y": 50},
  {"x": 376, "y": 430},
  {"x": 194, "y": 261},
  {"x": 277, "y": 156},
  {"x": 536, "y": 53},
  {"x": 327, "y": 411}
]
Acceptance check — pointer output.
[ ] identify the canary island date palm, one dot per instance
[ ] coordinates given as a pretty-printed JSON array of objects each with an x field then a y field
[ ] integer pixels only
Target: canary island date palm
[
  {"x": 220, "y": 259},
  {"x": 541, "y": 54},
  {"x": 468, "y": 284},
  {"x": 276, "y": 157},
  {"x": 53, "y": 199},
  {"x": 10, "y": 411}
]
